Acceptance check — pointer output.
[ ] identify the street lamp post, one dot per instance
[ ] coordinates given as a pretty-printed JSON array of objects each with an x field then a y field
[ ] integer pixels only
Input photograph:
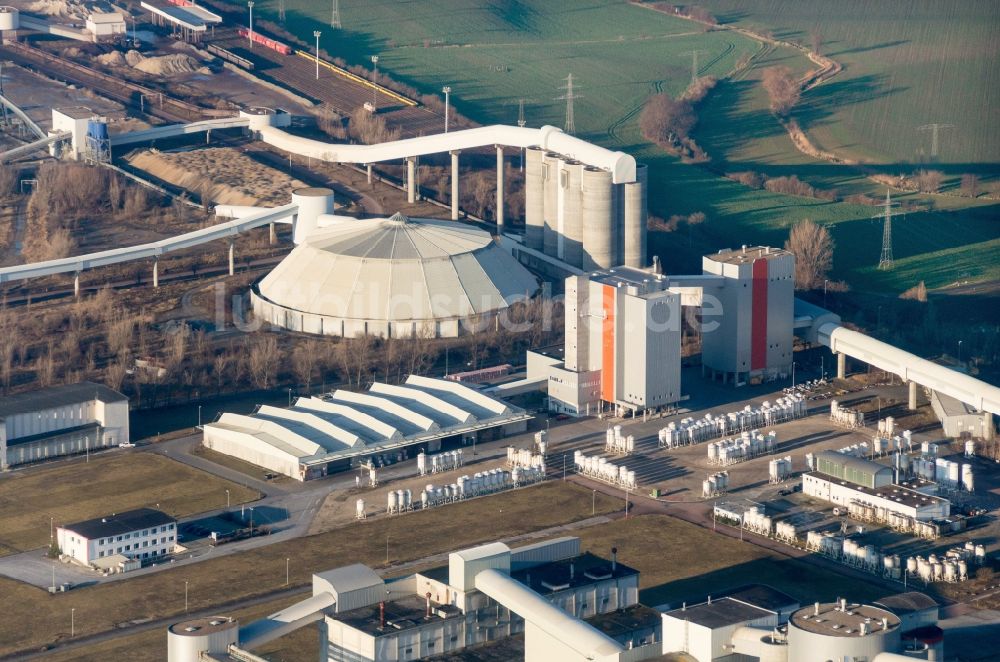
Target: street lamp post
[
  {"x": 199, "y": 416},
  {"x": 289, "y": 397},
  {"x": 793, "y": 374},
  {"x": 72, "y": 622},
  {"x": 227, "y": 499},
  {"x": 250, "y": 33},
  {"x": 185, "y": 596},
  {"x": 375, "y": 84},
  {"x": 960, "y": 353},
  {"x": 593, "y": 503},
  {"x": 317, "y": 33},
  {"x": 447, "y": 93},
  {"x": 286, "y": 570}
]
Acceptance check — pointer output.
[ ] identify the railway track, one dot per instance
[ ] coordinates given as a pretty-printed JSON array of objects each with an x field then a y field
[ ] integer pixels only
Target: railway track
[{"x": 134, "y": 96}]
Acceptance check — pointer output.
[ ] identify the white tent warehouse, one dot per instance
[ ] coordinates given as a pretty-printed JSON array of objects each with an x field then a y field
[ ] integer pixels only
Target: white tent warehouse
[{"x": 336, "y": 431}]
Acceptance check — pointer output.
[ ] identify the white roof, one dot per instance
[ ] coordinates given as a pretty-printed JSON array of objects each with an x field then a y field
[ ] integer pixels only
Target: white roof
[
  {"x": 486, "y": 551},
  {"x": 345, "y": 423},
  {"x": 397, "y": 269},
  {"x": 348, "y": 578}
]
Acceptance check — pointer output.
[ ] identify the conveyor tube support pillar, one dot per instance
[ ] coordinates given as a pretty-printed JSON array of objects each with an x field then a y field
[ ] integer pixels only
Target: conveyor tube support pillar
[
  {"x": 411, "y": 179},
  {"x": 76, "y": 285},
  {"x": 499, "y": 188},
  {"x": 272, "y": 234},
  {"x": 988, "y": 433},
  {"x": 232, "y": 256},
  {"x": 912, "y": 402},
  {"x": 454, "y": 184},
  {"x": 841, "y": 365},
  {"x": 156, "y": 272},
  {"x": 369, "y": 169}
]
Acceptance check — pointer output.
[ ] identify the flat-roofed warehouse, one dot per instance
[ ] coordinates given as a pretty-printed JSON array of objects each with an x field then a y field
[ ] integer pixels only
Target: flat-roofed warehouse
[
  {"x": 61, "y": 420},
  {"x": 337, "y": 431}
]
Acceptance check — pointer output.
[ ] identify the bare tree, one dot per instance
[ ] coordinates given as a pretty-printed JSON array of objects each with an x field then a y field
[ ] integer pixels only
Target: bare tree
[
  {"x": 264, "y": 357},
  {"x": 305, "y": 359},
  {"x": 220, "y": 365},
  {"x": 812, "y": 246},
  {"x": 664, "y": 120},
  {"x": 970, "y": 185},
  {"x": 136, "y": 201},
  {"x": 116, "y": 193},
  {"x": 8, "y": 179},
  {"x": 115, "y": 373},
  {"x": 782, "y": 89},
  {"x": 928, "y": 181},
  {"x": 45, "y": 368}
]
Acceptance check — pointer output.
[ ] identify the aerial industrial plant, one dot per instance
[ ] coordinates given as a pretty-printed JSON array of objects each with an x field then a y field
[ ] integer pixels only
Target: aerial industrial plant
[{"x": 480, "y": 332}]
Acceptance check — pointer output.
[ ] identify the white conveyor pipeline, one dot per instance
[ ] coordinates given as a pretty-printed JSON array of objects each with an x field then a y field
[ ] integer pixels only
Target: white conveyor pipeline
[
  {"x": 78, "y": 263},
  {"x": 910, "y": 367},
  {"x": 619, "y": 164}
]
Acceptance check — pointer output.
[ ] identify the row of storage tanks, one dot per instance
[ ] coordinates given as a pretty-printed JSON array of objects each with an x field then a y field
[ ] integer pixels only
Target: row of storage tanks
[
  {"x": 523, "y": 457},
  {"x": 691, "y": 431},
  {"x": 946, "y": 472},
  {"x": 755, "y": 520},
  {"x": 618, "y": 443},
  {"x": 481, "y": 483},
  {"x": 952, "y": 567},
  {"x": 447, "y": 461},
  {"x": 844, "y": 416},
  {"x": 745, "y": 447},
  {"x": 603, "y": 470},
  {"x": 576, "y": 213},
  {"x": 883, "y": 444},
  {"x": 715, "y": 484},
  {"x": 779, "y": 469}
]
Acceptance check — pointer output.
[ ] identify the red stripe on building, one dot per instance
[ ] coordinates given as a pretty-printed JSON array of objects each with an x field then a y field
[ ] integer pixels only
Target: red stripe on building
[
  {"x": 608, "y": 344},
  {"x": 758, "y": 319}
]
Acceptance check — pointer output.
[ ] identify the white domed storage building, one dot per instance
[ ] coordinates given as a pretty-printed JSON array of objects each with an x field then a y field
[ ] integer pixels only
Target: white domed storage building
[{"x": 394, "y": 276}]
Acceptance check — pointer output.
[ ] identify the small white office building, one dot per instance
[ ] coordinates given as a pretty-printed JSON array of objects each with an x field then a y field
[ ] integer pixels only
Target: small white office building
[{"x": 119, "y": 541}]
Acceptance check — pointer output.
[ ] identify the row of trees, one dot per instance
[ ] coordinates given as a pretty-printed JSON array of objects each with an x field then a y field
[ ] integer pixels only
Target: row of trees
[{"x": 668, "y": 122}]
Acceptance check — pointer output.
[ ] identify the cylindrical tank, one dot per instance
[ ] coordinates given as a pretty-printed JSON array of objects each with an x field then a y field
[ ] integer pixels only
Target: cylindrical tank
[
  {"x": 187, "y": 640},
  {"x": 10, "y": 19},
  {"x": 911, "y": 565},
  {"x": 862, "y": 638},
  {"x": 572, "y": 214},
  {"x": 393, "y": 501},
  {"x": 312, "y": 202},
  {"x": 968, "y": 483},
  {"x": 635, "y": 219},
  {"x": 534, "y": 198},
  {"x": 954, "y": 475},
  {"x": 359, "y": 508},
  {"x": 551, "y": 179},
  {"x": 598, "y": 219}
]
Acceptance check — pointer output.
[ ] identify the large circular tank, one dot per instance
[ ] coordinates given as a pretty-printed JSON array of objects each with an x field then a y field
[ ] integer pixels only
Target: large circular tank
[
  {"x": 187, "y": 640},
  {"x": 390, "y": 277},
  {"x": 10, "y": 19},
  {"x": 839, "y": 631}
]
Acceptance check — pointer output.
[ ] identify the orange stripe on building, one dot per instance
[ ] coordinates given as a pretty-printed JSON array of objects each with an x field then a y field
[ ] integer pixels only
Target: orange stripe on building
[{"x": 608, "y": 345}]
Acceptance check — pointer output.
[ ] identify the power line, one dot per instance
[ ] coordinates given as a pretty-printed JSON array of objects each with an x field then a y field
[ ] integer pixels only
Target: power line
[
  {"x": 934, "y": 129},
  {"x": 570, "y": 125},
  {"x": 694, "y": 62},
  {"x": 885, "y": 262},
  {"x": 335, "y": 15}
]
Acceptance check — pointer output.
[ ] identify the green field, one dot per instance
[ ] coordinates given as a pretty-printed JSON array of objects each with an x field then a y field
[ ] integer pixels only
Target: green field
[
  {"x": 32, "y": 499},
  {"x": 907, "y": 63},
  {"x": 492, "y": 54}
]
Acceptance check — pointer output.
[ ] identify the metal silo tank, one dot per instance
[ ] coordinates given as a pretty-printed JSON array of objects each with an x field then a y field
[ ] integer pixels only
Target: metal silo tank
[
  {"x": 635, "y": 219},
  {"x": 598, "y": 219},
  {"x": 534, "y": 200}
]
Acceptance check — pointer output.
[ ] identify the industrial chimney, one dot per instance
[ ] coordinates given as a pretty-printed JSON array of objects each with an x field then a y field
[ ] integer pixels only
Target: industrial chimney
[{"x": 428, "y": 614}]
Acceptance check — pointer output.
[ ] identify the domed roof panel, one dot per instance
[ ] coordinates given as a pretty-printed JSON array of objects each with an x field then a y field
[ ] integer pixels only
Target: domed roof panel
[{"x": 397, "y": 270}]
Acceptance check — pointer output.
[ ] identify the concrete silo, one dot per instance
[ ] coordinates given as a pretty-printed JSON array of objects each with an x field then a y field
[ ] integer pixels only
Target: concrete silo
[
  {"x": 598, "y": 219},
  {"x": 551, "y": 178},
  {"x": 572, "y": 212},
  {"x": 635, "y": 214},
  {"x": 534, "y": 198}
]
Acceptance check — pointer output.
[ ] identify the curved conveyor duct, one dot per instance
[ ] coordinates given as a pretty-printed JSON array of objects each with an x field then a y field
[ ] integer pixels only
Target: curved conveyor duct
[
  {"x": 578, "y": 637},
  {"x": 972, "y": 391},
  {"x": 287, "y": 620}
]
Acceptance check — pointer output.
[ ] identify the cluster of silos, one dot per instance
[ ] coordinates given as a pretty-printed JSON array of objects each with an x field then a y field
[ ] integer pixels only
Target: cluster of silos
[
  {"x": 852, "y": 418},
  {"x": 523, "y": 458},
  {"x": 691, "y": 431},
  {"x": 745, "y": 447},
  {"x": 577, "y": 214},
  {"x": 756, "y": 521},
  {"x": 945, "y": 472},
  {"x": 715, "y": 484},
  {"x": 359, "y": 509},
  {"x": 824, "y": 542},
  {"x": 399, "y": 501},
  {"x": 542, "y": 442},
  {"x": 617, "y": 443},
  {"x": 951, "y": 567},
  {"x": 447, "y": 461},
  {"x": 865, "y": 557},
  {"x": 601, "y": 469},
  {"x": 786, "y": 532},
  {"x": 779, "y": 470}
]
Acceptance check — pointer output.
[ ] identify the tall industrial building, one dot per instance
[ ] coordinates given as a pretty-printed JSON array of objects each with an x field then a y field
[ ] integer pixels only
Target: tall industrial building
[
  {"x": 581, "y": 215},
  {"x": 748, "y": 325},
  {"x": 623, "y": 330}
]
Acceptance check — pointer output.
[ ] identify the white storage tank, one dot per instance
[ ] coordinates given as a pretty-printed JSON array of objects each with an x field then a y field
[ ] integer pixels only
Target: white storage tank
[
  {"x": 841, "y": 632},
  {"x": 186, "y": 641},
  {"x": 359, "y": 509}
]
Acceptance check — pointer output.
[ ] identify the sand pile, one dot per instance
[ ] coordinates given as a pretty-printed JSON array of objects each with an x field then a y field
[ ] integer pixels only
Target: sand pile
[
  {"x": 235, "y": 178},
  {"x": 112, "y": 59},
  {"x": 63, "y": 8},
  {"x": 162, "y": 65}
]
